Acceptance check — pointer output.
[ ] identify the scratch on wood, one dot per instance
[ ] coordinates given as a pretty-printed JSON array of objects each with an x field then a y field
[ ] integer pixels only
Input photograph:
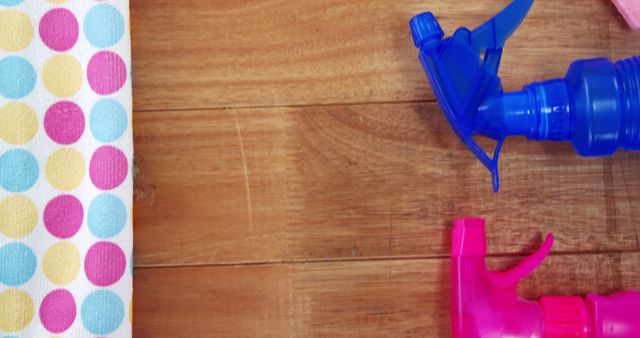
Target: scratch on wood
[
  {"x": 389, "y": 244},
  {"x": 626, "y": 183},
  {"x": 609, "y": 196},
  {"x": 145, "y": 193},
  {"x": 212, "y": 255},
  {"x": 247, "y": 186}
]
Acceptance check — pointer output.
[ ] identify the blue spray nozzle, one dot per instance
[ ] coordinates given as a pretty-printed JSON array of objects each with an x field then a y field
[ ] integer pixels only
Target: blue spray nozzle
[
  {"x": 461, "y": 79},
  {"x": 596, "y": 106}
]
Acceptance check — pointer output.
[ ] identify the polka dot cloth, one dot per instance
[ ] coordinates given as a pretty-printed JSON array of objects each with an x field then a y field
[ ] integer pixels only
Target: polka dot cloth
[{"x": 65, "y": 169}]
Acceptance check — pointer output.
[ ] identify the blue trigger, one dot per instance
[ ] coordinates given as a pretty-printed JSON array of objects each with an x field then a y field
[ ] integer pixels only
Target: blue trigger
[
  {"x": 495, "y": 177},
  {"x": 494, "y": 33}
]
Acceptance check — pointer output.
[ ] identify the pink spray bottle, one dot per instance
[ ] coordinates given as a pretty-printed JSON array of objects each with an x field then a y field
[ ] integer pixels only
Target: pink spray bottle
[{"x": 485, "y": 304}]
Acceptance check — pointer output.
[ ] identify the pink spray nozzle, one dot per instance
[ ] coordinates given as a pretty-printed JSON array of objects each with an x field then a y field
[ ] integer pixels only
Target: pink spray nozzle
[
  {"x": 468, "y": 238},
  {"x": 485, "y": 304}
]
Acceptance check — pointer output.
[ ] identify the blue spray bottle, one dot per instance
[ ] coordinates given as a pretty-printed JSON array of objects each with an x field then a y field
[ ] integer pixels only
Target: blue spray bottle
[{"x": 596, "y": 106}]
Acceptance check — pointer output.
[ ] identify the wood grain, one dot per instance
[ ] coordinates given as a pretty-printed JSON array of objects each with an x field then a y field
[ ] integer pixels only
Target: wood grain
[
  {"x": 359, "y": 181},
  {"x": 391, "y": 298},
  {"x": 218, "y": 53}
]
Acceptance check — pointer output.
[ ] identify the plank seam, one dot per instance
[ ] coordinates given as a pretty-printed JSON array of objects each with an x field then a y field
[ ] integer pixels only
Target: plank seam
[
  {"x": 371, "y": 259},
  {"x": 280, "y": 106}
]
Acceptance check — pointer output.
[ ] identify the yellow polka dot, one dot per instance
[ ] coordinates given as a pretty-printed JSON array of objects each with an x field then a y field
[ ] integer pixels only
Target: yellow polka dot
[
  {"x": 16, "y": 310},
  {"x": 57, "y": 2},
  {"x": 18, "y": 216},
  {"x": 65, "y": 169},
  {"x": 18, "y": 123},
  {"x": 16, "y": 30},
  {"x": 62, "y": 75},
  {"x": 61, "y": 263}
]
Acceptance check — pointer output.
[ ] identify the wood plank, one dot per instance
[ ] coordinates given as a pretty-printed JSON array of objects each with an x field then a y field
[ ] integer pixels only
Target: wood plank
[
  {"x": 359, "y": 181},
  {"x": 219, "y": 53},
  {"x": 394, "y": 298}
]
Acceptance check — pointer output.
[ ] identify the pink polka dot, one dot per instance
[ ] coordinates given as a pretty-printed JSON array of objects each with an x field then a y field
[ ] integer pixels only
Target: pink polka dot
[
  {"x": 108, "y": 167},
  {"x": 63, "y": 216},
  {"x": 59, "y": 29},
  {"x": 104, "y": 264},
  {"x": 106, "y": 72},
  {"x": 64, "y": 122},
  {"x": 58, "y": 311}
]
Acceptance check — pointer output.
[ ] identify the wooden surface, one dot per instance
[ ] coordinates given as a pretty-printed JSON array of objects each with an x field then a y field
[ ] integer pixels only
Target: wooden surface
[{"x": 294, "y": 177}]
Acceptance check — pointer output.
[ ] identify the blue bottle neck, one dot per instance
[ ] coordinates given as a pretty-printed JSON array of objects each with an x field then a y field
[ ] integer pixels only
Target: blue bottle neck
[
  {"x": 596, "y": 107},
  {"x": 541, "y": 111}
]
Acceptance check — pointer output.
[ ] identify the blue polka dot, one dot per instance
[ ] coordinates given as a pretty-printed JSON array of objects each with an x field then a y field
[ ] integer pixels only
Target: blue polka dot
[
  {"x": 18, "y": 264},
  {"x": 10, "y": 2},
  {"x": 108, "y": 120},
  {"x": 18, "y": 170},
  {"x": 107, "y": 216},
  {"x": 17, "y": 77},
  {"x": 102, "y": 312},
  {"x": 103, "y": 26}
]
